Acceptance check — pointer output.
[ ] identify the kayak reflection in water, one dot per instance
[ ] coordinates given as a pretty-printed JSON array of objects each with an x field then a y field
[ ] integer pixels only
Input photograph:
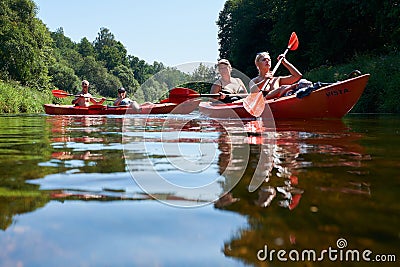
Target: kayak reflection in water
[
  {"x": 227, "y": 86},
  {"x": 270, "y": 169},
  {"x": 123, "y": 100}
]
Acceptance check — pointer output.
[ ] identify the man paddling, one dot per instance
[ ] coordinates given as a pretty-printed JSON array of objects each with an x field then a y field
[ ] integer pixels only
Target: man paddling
[
  {"x": 84, "y": 98},
  {"x": 277, "y": 86}
]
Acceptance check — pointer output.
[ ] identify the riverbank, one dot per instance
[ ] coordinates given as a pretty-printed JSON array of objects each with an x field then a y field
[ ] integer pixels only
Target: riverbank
[
  {"x": 380, "y": 96},
  {"x": 15, "y": 98}
]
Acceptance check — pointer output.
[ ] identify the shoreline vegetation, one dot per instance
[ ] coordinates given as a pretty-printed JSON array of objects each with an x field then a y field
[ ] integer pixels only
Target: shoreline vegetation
[
  {"x": 380, "y": 96},
  {"x": 333, "y": 43}
]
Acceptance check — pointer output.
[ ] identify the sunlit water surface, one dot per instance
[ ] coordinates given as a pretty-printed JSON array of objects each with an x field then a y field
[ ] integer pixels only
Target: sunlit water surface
[{"x": 191, "y": 191}]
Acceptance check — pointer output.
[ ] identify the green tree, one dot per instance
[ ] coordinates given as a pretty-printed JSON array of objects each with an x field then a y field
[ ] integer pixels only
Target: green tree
[
  {"x": 156, "y": 67},
  {"x": 225, "y": 25},
  {"x": 138, "y": 96},
  {"x": 63, "y": 77},
  {"x": 141, "y": 69},
  {"x": 101, "y": 81},
  {"x": 204, "y": 74},
  {"x": 244, "y": 31},
  {"x": 65, "y": 50},
  {"x": 330, "y": 32},
  {"x": 127, "y": 78},
  {"x": 89, "y": 69},
  {"x": 108, "y": 50},
  {"x": 61, "y": 41},
  {"x": 85, "y": 48},
  {"x": 153, "y": 90},
  {"x": 107, "y": 85},
  {"x": 25, "y": 44}
]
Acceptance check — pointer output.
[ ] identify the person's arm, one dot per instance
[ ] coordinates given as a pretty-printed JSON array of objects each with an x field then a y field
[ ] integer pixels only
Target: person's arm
[
  {"x": 274, "y": 88},
  {"x": 216, "y": 89},
  {"x": 242, "y": 89},
  {"x": 100, "y": 102},
  {"x": 256, "y": 84},
  {"x": 281, "y": 90},
  {"x": 253, "y": 86},
  {"x": 76, "y": 99},
  {"x": 295, "y": 74},
  {"x": 93, "y": 101},
  {"x": 117, "y": 101}
]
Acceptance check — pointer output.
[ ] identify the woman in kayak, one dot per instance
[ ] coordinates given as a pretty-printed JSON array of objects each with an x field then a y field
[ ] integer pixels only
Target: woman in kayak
[
  {"x": 226, "y": 86},
  {"x": 84, "y": 98},
  {"x": 122, "y": 100},
  {"x": 277, "y": 86}
]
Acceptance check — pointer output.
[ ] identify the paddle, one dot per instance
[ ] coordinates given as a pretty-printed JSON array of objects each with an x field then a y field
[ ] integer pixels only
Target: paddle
[
  {"x": 180, "y": 94},
  {"x": 63, "y": 94},
  {"x": 254, "y": 103}
]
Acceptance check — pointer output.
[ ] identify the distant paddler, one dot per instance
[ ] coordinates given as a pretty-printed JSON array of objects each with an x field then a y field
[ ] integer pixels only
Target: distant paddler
[
  {"x": 123, "y": 100},
  {"x": 84, "y": 98}
]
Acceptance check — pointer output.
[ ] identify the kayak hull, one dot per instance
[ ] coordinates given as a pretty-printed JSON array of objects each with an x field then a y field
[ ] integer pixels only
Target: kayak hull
[
  {"x": 157, "y": 108},
  {"x": 332, "y": 101}
]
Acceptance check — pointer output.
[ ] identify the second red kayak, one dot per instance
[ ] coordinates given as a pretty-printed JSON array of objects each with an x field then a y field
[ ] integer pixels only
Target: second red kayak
[{"x": 157, "y": 108}]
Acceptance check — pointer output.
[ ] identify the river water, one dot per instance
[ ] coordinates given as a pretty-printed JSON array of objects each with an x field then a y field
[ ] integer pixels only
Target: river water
[{"x": 176, "y": 190}]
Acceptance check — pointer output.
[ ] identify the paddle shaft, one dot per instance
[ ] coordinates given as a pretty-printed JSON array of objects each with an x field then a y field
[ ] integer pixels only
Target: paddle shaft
[
  {"x": 213, "y": 95},
  {"x": 107, "y": 99},
  {"x": 62, "y": 94}
]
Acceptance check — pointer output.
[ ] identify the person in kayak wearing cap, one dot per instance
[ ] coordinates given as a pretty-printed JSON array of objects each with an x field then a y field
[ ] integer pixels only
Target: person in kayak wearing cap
[
  {"x": 123, "y": 100},
  {"x": 227, "y": 86},
  {"x": 278, "y": 86},
  {"x": 84, "y": 98}
]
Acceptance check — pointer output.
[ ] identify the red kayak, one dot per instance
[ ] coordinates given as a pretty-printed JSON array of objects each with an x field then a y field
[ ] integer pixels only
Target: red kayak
[
  {"x": 331, "y": 101},
  {"x": 157, "y": 108}
]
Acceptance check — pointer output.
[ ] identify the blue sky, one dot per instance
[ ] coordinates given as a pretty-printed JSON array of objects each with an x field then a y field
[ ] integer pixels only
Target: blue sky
[{"x": 172, "y": 32}]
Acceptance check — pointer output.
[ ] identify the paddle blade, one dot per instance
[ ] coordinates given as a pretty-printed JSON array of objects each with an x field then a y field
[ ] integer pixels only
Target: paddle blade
[
  {"x": 293, "y": 42},
  {"x": 60, "y": 93},
  {"x": 180, "y": 94},
  {"x": 254, "y": 104}
]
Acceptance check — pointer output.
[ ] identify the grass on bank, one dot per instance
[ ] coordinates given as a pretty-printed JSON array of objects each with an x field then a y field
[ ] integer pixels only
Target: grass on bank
[
  {"x": 4, "y": 192},
  {"x": 15, "y": 98}
]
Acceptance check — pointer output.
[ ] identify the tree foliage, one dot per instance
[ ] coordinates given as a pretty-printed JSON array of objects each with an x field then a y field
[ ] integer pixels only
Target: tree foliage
[
  {"x": 109, "y": 50},
  {"x": 85, "y": 48},
  {"x": 32, "y": 55},
  {"x": 334, "y": 36},
  {"x": 127, "y": 78},
  {"x": 25, "y": 44},
  {"x": 330, "y": 31},
  {"x": 64, "y": 77}
]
